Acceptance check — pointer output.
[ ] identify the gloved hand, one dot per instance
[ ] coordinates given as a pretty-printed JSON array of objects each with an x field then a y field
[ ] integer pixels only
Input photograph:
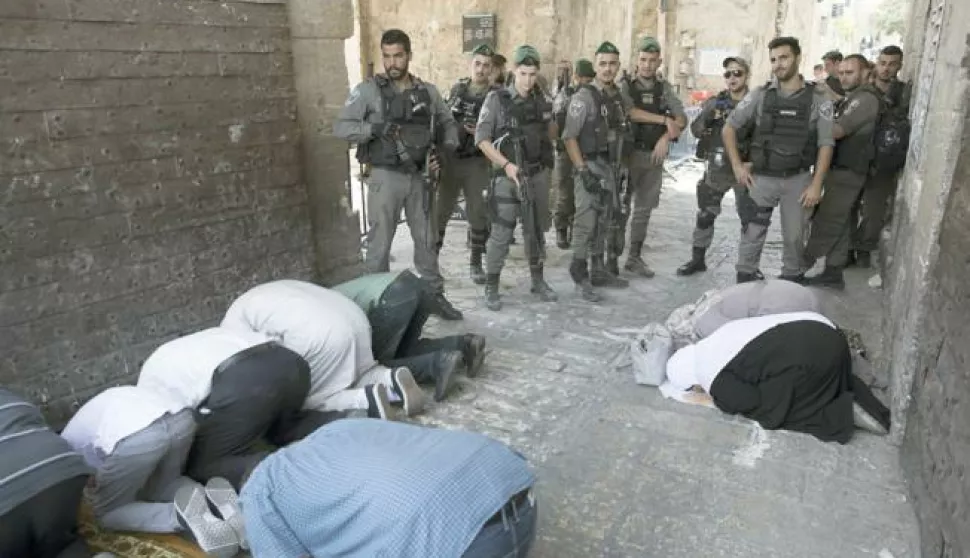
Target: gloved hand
[{"x": 590, "y": 181}]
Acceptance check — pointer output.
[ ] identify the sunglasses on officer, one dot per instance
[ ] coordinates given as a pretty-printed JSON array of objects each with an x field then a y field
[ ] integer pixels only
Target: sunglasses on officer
[{"x": 733, "y": 73}]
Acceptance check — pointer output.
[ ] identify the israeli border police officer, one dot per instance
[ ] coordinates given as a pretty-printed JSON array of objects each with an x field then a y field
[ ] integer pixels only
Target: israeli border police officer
[
  {"x": 515, "y": 131},
  {"x": 791, "y": 149},
  {"x": 562, "y": 172},
  {"x": 594, "y": 134},
  {"x": 651, "y": 145},
  {"x": 468, "y": 170},
  {"x": 855, "y": 123},
  {"x": 389, "y": 117},
  {"x": 718, "y": 177}
]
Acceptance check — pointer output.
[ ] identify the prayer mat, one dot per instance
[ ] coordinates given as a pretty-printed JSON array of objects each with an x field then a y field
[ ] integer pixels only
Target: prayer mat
[{"x": 134, "y": 545}]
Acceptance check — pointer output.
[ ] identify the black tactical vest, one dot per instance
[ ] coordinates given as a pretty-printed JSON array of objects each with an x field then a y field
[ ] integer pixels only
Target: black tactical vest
[
  {"x": 526, "y": 121},
  {"x": 855, "y": 152},
  {"x": 646, "y": 136},
  {"x": 599, "y": 135},
  {"x": 784, "y": 143},
  {"x": 411, "y": 110},
  {"x": 711, "y": 138},
  {"x": 466, "y": 106}
]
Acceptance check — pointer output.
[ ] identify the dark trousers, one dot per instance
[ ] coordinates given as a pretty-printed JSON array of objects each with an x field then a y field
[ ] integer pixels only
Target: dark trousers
[
  {"x": 832, "y": 224},
  {"x": 255, "y": 405},
  {"x": 45, "y": 526},
  {"x": 874, "y": 211},
  {"x": 396, "y": 323}
]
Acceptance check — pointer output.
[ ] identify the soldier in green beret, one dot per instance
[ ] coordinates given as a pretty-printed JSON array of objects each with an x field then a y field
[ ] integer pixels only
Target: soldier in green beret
[
  {"x": 562, "y": 173},
  {"x": 596, "y": 124},
  {"x": 651, "y": 144},
  {"x": 467, "y": 170},
  {"x": 515, "y": 131},
  {"x": 389, "y": 117}
]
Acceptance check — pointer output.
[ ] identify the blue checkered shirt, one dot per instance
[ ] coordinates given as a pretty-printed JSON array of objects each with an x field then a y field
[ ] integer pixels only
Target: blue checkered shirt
[{"x": 372, "y": 488}]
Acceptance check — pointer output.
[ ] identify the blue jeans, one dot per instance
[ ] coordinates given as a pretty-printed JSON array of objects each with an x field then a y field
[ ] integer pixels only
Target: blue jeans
[{"x": 510, "y": 538}]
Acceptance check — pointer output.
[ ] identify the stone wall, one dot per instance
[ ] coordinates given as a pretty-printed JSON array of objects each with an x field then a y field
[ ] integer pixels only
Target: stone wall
[
  {"x": 150, "y": 170},
  {"x": 926, "y": 281},
  {"x": 559, "y": 29}
]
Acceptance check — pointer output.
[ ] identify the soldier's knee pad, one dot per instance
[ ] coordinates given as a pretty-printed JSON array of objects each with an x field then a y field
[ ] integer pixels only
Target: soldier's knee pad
[
  {"x": 705, "y": 219},
  {"x": 751, "y": 212},
  {"x": 706, "y": 196}
]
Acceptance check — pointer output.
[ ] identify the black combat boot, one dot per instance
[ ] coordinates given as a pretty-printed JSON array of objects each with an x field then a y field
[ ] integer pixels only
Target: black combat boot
[
  {"x": 539, "y": 286},
  {"x": 696, "y": 263},
  {"x": 601, "y": 277},
  {"x": 492, "y": 299},
  {"x": 473, "y": 350},
  {"x": 830, "y": 277},
  {"x": 579, "y": 271},
  {"x": 635, "y": 264},
  {"x": 443, "y": 308},
  {"x": 562, "y": 238},
  {"x": 475, "y": 266}
]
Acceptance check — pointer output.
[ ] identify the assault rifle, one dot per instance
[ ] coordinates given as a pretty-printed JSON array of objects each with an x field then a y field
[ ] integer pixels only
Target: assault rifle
[
  {"x": 536, "y": 248},
  {"x": 431, "y": 179}
]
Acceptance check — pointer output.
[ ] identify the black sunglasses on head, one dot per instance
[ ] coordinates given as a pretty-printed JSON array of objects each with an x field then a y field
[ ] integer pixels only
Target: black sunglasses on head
[{"x": 733, "y": 73}]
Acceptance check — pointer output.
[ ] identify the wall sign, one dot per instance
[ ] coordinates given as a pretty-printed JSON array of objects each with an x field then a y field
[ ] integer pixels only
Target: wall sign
[{"x": 477, "y": 29}]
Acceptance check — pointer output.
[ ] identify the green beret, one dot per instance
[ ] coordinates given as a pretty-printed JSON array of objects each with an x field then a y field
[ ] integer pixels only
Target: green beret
[
  {"x": 608, "y": 48},
  {"x": 649, "y": 44},
  {"x": 484, "y": 50},
  {"x": 523, "y": 52},
  {"x": 584, "y": 68}
]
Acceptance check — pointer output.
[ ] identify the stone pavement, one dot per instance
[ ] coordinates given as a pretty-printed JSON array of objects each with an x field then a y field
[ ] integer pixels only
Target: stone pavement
[{"x": 625, "y": 473}]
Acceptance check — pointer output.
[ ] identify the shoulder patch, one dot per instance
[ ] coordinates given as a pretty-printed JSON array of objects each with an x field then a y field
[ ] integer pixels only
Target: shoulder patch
[
  {"x": 825, "y": 110},
  {"x": 575, "y": 107}
]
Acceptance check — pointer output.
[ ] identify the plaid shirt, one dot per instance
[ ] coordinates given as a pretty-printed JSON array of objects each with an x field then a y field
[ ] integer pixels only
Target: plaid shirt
[{"x": 371, "y": 488}]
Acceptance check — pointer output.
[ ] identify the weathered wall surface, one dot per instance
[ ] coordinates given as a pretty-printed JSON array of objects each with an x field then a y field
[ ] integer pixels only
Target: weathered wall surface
[
  {"x": 149, "y": 171},
  {"x": 928, "y": 298},
  {"x": 570, "y": 29},
  {"x": 559, "y": 29}
]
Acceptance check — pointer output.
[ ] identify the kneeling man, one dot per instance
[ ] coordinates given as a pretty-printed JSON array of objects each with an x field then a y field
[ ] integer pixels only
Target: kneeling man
[
  {"x": 247, "y": 391},
  {"x": 334, "y": 336},
  {"x": 397, "y": 305},
  {"x": 362, "y": 487}
]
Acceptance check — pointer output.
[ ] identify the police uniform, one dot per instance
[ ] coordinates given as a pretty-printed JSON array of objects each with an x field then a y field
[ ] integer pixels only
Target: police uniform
[
  {"x": 646, "y": 177},
  {"x": 562, "y": 173},
  {"x": 718, "y": 176},
  {"x": 596, "y": 120},
  {"x": 831, "y": 225},
  {"x": 467, "y": 170},
  {"x": 508, "y": 120},
  {"x": 392, "y": 131},
  {"x": 789, "y": 129},
  {"x": 880, "y": 186}
]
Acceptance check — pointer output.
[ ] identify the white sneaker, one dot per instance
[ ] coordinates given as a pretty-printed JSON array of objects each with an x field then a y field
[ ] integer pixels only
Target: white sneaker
[
  {"x": 225, "y": 500},
  {"x": 214, "y": 536},
  {"x": 378, "y": 405},
  {"x": 408, "y": 390}
]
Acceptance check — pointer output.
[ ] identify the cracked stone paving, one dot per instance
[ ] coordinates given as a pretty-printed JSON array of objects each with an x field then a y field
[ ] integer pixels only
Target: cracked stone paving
[{"x": 626, "y": 473}]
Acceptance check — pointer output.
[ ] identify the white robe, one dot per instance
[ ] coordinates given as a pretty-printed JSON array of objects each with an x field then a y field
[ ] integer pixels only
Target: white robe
[{"x": 326, "y": 328}]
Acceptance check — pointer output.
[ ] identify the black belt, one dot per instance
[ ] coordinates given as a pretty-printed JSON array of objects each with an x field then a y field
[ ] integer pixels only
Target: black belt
[
  {"x": 244, "y": 354},
  {"x": 514, "y": 504},
  {"x": 782, "y": 174}
]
